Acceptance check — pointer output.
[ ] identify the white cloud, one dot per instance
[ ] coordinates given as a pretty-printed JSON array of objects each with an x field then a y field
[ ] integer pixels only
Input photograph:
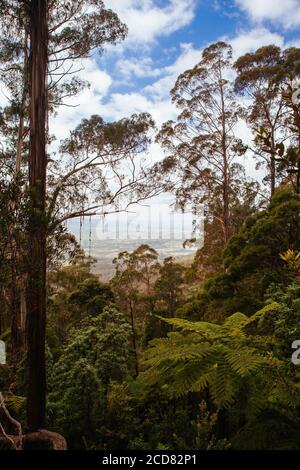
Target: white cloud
[
  {"x": 154, "y": 98},
  {"x": 248, "y": 41},
  {"x": 99, "y": 80},
  {"x": 139, "y": 68},
  {"x": 125, "y": 104},
  {"x": 187, "y": 59},
  {"x": 146, "y": 20},
  {"x": 283, "y": 12},
  {"x": 88, "y": 102}
]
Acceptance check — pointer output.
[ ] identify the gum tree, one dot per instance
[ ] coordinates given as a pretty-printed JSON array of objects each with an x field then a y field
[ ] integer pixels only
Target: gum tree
[
  {"x": 257, "y": 74},
  {"x": 59, "y": 33},
  {"x": 201, "y": 145}
]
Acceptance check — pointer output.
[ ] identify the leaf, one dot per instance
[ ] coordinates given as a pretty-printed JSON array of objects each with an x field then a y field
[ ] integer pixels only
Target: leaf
[
  {"x": 15, "y": 402},
  {"x": 205, "y": 328},
  {"x": 236, "y": 320}
]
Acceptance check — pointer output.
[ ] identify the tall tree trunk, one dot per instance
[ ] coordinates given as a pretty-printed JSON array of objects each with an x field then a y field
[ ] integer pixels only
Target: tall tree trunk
[
  {"x": 18, "y": 323},
  {"x": 225, "y": 188},
  {"x": 273, "y": 172},
  {"x": 36, "y": 285},
  {"x": 273, "y": 163},
  {"x": 226, "y": 217},
  {"x": 18, "y": 287},
  {"x": 298, "y": 166},
  {"x": 21, "y": 129}
]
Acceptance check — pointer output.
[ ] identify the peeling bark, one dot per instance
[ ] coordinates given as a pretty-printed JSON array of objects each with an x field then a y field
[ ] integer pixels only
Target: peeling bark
[{"x": 36, "y": 285}]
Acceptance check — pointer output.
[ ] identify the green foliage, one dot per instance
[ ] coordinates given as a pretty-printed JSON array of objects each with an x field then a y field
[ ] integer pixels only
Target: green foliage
[
  {"x": 168, "y": 295},
  {"x": 202, "y": 149},
  {"x": 14, "y": 403},
  {"x": 287, "y": 325},
  {"x": 75, "y": 406},
  {"x": 225, "y": 382},
  {"x": 80, "y": 379},
  {"x": 75, "y": 294},
  {"x": 91, "y": 296},
  {"x": 204, "y": 426},
  {"x": 270, "y": 431},
  {"x": 206, "y": 356},
  {"x": 251, "y": 261},
  {"x": 169, "y": 285},
  {"x": 293, "y": 260}
]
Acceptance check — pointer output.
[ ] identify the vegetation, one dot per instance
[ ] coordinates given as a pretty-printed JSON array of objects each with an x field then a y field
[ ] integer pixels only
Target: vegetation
[{"x": 161, "y": 356}]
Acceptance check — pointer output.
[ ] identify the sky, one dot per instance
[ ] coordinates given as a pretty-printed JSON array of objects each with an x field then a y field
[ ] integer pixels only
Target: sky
[{"x": 165, "y": 38}]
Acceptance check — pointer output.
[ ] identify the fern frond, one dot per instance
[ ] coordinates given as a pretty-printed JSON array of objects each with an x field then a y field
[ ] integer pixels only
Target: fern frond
[
  {"x": 238, "y": 319},
  {"x": 14, "y": 402},
  {"x": 262, "y": 313},
  {"x": 244, "y": 360},
  {"x": 223, "y": 386},
  {"x": 204, "y": 328}
]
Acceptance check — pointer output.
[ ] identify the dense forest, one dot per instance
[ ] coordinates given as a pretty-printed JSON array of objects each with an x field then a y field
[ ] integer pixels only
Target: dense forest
[{"x": 165, "y": 355}]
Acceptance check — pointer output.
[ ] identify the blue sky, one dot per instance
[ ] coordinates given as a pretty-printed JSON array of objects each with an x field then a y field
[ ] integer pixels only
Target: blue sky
[{"x": 165, "y": 38}]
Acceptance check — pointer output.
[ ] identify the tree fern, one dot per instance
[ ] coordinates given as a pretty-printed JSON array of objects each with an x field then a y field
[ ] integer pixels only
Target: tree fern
[
  {"x": 14, "y": 403},
  {"x": 206, "y": 355}
]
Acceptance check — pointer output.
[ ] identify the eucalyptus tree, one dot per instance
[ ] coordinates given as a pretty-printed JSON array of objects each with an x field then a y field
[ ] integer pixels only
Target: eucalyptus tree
[
  {"x": 41, "y": 40},
  {"x": 101, "y": 168},
  {"x": 13, "y": 224},
  {"x": 37, "y": 231},
  {"x": 257, "y": 79},
  {"x": 289, "y": 81},
  {"x": 169, "y": 285},
  {"x": 14, "y": 72},
  {"x": 201, "y": 145},
  {"x": 134, "y": 279},
  {"x": 75, "y": 182},
  {"x": 76, "y": 30}
]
